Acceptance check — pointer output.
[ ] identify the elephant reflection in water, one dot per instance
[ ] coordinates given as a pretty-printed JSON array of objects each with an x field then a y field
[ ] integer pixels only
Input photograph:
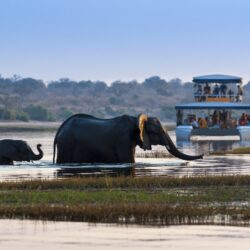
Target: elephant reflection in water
[
  {"x": 17, "y": 150},
  {"x": 84, "y": 138}
]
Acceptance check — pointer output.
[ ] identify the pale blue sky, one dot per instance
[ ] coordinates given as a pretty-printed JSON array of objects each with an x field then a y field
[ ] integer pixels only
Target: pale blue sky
[{"x": 124, "y": 39}]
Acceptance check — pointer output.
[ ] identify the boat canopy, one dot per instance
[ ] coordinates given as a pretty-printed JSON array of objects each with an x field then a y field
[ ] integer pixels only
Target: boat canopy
[
  {"x": 213, "y": 105},
  {"x": 217, "y": 79}
]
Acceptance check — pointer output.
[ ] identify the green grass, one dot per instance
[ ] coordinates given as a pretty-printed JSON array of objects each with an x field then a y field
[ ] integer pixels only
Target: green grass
[
  {"x": 149, "y": 183},
  {"x": 142, "y": 200},
  {"x": 75, "y": 197},
  {"x": 241, "y": 150}
]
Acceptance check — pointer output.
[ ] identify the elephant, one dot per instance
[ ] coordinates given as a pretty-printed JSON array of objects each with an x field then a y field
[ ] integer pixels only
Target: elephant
[
  {"x": 83, "y": 138},
  {"x": 17, "y": 150}
]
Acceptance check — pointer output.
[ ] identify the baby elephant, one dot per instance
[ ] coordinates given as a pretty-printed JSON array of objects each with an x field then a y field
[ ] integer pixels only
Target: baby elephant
[{"x": 17, "y": 150}]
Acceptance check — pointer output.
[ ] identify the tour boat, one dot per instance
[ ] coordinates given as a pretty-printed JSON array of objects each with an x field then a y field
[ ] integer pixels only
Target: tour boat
[{"x": 217, "y": 113}]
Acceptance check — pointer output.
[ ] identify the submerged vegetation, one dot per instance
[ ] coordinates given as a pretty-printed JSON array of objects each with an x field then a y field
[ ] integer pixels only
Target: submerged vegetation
[{"x": 141, "y": 200}]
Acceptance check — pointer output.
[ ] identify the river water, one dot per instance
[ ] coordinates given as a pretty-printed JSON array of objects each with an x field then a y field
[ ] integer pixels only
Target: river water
[
  {"x": 27, "y": 235},
  {"x": 210, "y": 165}
]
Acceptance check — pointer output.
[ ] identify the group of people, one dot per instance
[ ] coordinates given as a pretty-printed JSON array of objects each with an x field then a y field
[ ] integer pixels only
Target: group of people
[
  {"x": 219, "y": 119},
  {"x": 218, "y": 91}
]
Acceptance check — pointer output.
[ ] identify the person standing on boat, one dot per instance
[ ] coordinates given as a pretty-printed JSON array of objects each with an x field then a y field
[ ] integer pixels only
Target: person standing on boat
[
  {"x": 198, "y": 93},
  {"x": 207, "y": 91},
  {"x": 231, "y": 95},
  {"x": 216, "y": 118},
  {"x": 223, "y": 89},
  {"x": 239, "y": 94},
  {"x": 216, "y": 91}
]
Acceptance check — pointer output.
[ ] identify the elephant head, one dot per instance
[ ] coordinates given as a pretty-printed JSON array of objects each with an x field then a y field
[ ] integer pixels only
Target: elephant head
[
  {"x": 35, "y": 157},
  {"x": 25, "y": 153},
  {"x": 152, "y": 133}
]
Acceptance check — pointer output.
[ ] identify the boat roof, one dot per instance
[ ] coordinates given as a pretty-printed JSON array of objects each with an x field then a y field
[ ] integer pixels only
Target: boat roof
[
  {"x": 213, "y": 105},
  {"x": 217, "y": 79}
]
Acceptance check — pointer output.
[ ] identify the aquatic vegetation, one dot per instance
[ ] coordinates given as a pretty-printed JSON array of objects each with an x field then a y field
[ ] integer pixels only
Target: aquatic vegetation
[
  {"x": 240, "y": 150},
  {"x": 141, "y": 200},
  {"x": 123, "y": 182}
]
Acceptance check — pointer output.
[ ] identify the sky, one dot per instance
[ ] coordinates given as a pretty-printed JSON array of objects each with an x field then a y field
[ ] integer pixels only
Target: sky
[{"x": 124, "y": 40}]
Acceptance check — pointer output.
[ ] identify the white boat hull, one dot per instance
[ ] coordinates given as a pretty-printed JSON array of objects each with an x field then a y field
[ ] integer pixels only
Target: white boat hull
[{"x": 188, "y": 133}]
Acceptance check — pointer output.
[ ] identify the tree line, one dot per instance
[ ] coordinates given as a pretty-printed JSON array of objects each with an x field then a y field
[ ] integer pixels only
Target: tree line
[{"x": 31, "y": 99}]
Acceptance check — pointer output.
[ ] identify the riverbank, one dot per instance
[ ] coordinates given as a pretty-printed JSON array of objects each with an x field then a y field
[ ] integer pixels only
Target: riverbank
[
  {"x": 37, "y": 126},
  {"x": 34, "y": 126},
  {"x": 221, "y": 200}
]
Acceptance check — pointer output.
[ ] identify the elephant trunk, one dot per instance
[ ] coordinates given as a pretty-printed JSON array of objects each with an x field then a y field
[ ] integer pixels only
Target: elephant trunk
[
  {"x": 174, "y": 151},
  {"x": 35, "y": 157}
]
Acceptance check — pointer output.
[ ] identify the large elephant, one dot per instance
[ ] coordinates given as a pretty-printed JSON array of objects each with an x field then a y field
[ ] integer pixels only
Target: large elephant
[
  {"x": 83, "y": 138},
  {"x": 17, "y": 150}
]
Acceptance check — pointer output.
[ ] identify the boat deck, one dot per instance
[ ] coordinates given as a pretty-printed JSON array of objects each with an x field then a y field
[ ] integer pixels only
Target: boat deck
[{"x": 215, "y": 134}]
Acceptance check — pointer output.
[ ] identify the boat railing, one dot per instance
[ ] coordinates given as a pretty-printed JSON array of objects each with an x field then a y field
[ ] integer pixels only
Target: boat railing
[{"x": 217, "y": 98}]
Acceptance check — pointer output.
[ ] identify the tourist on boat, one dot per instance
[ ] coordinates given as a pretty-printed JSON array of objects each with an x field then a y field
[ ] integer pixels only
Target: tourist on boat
[
  {"x": 209, "y": 121},
  {"x": 206, "y": 92},
  {"x": 194, "y": 123},
  {"x": 216, "y": 90},
  {"x": 224, "y": 119},
  {"x": 223, "y": 89},
  {"x": 216, "y": 118},
  {"x": 243, "y": 121},
  {"x": 239, "y": 94},
  {"x": 231, "y": 95},
  {"x": 207, "y": 89},
  {"x": 198, "y": 94},
  {"x": 234, "y": 123},
  {"x": 202, "y": 122}
]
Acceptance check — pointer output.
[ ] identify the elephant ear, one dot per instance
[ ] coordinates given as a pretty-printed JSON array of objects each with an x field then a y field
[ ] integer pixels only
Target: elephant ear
[{"x": 144, "y": 137}]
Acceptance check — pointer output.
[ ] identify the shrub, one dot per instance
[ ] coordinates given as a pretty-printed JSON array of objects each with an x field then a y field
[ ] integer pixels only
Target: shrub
[{"x": 39, "y": 113}]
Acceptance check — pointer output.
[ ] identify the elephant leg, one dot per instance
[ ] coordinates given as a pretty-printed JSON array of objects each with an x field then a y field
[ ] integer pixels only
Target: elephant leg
[
  {"x": 125, "y": 153},
  {"x": 6, "y": 161},
  {"x": 62, "y": 155},
  {"x": 79, "y": 155}
]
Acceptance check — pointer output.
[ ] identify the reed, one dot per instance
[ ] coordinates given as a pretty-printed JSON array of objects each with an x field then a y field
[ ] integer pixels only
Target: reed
[
  {"x": 241, "y": 150},
  {"x": 140, "y": 200},
  {"x": 132, "y": 213},
  {"x": 124, "y": 182}
]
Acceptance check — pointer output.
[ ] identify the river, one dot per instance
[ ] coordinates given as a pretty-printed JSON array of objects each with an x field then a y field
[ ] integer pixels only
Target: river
[
  {"x": 210, "y": 165},
  {"x": 27, "y": 235}
]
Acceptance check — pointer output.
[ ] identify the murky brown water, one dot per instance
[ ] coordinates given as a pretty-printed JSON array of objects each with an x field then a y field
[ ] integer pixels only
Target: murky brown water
[
  {"x": 210, "y": 165},
  {"x": 27, "y": 235}
]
